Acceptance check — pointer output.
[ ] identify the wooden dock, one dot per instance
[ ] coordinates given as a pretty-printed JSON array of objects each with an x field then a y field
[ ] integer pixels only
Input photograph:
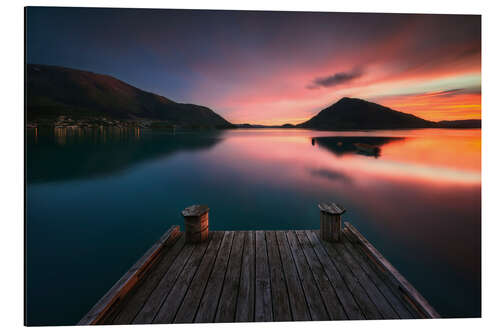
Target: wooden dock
[{"x": 246, "y": 276}]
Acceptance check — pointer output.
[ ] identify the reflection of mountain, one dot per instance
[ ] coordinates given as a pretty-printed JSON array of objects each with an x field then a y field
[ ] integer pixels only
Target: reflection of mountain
[
  {"x": 340, "y": 145},
  {"x": 331, "y": 175},
  {"x": 60, "y": 158}
]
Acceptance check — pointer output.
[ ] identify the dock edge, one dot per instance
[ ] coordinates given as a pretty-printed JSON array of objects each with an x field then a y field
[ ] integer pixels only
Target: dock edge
[
  {"x": 130, "y": 278},
  {"x": 409, "y": 292}
]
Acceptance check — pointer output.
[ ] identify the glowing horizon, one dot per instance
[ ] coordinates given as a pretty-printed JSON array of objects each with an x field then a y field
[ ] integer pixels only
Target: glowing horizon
[{"x": 273, "y": 68}]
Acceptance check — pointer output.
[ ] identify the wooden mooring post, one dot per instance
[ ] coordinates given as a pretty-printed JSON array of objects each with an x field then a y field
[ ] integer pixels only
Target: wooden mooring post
[
  {"x": 196, "y": 223},
  {"x": 331, "y": 223}
]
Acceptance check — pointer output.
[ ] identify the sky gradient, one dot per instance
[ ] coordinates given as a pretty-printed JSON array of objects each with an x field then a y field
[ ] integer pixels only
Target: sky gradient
[{"x": 272, "y": 67}]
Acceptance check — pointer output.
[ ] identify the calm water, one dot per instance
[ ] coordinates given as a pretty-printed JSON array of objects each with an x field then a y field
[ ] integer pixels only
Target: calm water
[{"x": 97, "y": 201}]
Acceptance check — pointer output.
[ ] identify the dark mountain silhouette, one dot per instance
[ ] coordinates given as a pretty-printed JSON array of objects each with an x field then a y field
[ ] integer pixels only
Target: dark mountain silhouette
[
  {"x": 54, "y": 91},
  {"x": 468, "y": 123},
  {"x": 354, "y": 113}
]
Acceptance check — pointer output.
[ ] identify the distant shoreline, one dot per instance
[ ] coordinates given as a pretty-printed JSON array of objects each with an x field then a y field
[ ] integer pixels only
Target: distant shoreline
[{"x": 125, "y": 125}]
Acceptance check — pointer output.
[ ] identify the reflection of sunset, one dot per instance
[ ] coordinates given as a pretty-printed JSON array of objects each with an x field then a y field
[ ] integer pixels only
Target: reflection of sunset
[
  {"x": 433, "y": 168},
  {"x": 418, "y": 201},
  {"x": 448, "y": 152},
  {"x": 435, "y": 157}
]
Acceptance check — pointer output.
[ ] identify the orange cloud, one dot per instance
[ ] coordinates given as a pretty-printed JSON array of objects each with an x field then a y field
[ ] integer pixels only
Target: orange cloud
[{"x": 437, "y": 106}]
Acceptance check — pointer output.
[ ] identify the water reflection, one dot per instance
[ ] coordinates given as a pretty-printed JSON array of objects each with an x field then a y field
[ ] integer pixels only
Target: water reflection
[
  {"x": 363, "y": 145},
  {"x": 331, "y": 175},
  {"x": 76, "y": 153},
  {"x": 419, "y": 202}
]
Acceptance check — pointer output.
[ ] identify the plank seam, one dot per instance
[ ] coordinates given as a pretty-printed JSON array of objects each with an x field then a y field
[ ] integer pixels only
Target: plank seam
[
  {"x": 298, "y": 275},
  {"x": 206, "y": 284},
  {"x": 372, "y": 279},
  {"x": 333, "y": 248},
  {"x": 224, "y": 278},
  {"x": 254, "y": 280},
  {"x": 168, "y": 270},
  {"x": 283, "y": 274},
  {"x": 330, "y": 280},
  {"x": 171, "y": 289},
  {"x": 405, "y": 285},
  {"x": 379, "y": 271},
  {"x": 365, "y": 286},
  {"x": 269, "y": 277},
  {"x": 344, "y": 280},
  {"x": 190, "y": 281},
  {"x": 239, "y": 279},
  {"x": 314, "y": 279},
  {"x": 139, "y": 286}
]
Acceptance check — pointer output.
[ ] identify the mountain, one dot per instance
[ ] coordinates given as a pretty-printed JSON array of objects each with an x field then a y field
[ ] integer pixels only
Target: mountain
[
  {"x": 468, "y": 123},
  {"x": 53, "y": 91},
  {"x": 354, "y": 113}
]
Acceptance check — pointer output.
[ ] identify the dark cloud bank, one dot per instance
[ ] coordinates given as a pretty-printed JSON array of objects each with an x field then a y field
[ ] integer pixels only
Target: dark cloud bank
[{"x": 336, "y": 79}]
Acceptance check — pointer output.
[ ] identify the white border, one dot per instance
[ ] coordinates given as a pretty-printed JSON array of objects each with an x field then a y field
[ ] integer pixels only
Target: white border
[{"x": 12, "y": 152}]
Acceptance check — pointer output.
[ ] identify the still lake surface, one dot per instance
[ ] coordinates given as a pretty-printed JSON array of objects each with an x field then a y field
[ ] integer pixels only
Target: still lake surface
[{"x": 97, "y": 200}]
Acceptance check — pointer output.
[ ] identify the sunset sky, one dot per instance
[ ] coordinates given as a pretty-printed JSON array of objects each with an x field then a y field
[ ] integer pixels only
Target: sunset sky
[{"x": 272, "y": 67}]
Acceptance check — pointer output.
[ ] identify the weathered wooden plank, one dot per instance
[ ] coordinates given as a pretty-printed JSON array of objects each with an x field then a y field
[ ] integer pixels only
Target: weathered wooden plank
[
  {"x": 263, "y": 302},
  {"x": 409, "y": 290},
  {"x": 135, "y": 300},
  {"x": 227, "y": 304},
  {"x": 171, "y": 304},
  {"x": 208, "y": 305},
  {"x": 396, "y": 303},
  {"x": 118, "y": 291},
  {"x": 375, "y": 295},
  {"x": 365, "y": 303},
  {"x": 245, "y": 305},
  {"x": 264, "y": 276},
  {"x": 351, "y": 308},
  {"x": 330, "y": 298},
  {"x": 279, "y": 292},
  {"x": 383, "y": 275},
  {"x": 189, "y": 306},
  {"x": 298, "y": 303},
  {"x": 156, "y": 298},
  {"x": 313, "y": 297}
]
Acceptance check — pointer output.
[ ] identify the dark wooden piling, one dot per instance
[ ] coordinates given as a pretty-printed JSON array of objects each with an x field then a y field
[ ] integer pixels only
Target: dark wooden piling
[
  {"x": 196, "y": 223},
  {"x": 331, "y": 223}
]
